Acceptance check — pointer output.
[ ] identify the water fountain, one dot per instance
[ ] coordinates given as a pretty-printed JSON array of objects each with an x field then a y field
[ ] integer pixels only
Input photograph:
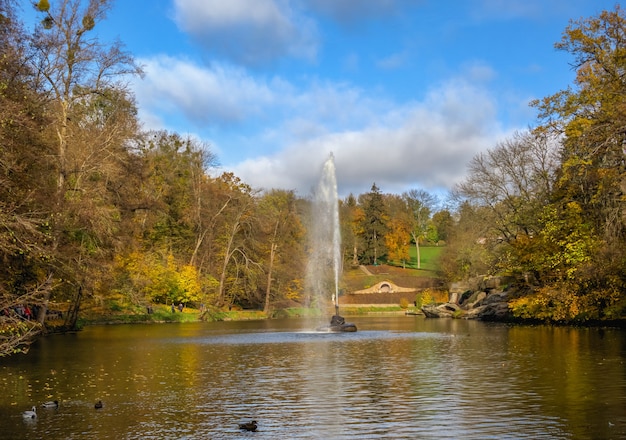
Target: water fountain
[{"x": 325, "y": 238}]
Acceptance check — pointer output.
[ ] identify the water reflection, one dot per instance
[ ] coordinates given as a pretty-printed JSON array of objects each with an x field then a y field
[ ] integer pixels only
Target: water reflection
[{"x": 397, "y": 377}]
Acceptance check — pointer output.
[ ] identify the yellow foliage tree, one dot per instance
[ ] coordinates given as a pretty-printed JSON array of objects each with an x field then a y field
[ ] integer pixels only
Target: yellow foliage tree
[
  {"x": 161, "y": 281},
  {"x": 397, "y": 240}
]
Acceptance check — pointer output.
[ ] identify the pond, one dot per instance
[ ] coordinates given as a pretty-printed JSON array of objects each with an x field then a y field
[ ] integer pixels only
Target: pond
[{"x": 397, "y": 377}]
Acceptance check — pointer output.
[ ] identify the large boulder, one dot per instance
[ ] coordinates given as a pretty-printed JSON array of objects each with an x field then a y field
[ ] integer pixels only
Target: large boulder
[
  {"x": 496, "y": 297},
  {"x": 475, "y": 300},
  {"x": 447, "y": 310},
  {"x": 485, "y": 306}
]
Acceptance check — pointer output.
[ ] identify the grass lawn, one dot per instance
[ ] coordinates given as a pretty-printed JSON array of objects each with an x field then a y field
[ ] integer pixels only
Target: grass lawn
[{"x": 429, "y": 258}]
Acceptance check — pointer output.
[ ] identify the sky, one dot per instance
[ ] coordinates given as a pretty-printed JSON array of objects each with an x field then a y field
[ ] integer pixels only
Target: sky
[{"x": 403, "y": 93}]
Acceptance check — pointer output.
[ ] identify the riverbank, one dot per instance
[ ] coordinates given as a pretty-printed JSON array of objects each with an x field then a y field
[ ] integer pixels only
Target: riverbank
[
  {"x": 164, "y": 314},
  {"x": 161, "y": 314}
]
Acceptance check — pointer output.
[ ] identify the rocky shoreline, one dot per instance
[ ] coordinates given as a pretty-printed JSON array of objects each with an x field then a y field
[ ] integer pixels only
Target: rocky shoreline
[{"x": 484, "y": 299}]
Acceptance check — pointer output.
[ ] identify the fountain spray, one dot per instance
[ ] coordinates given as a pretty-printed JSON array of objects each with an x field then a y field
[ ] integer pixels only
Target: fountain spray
[{"x": 326, "y": 241}]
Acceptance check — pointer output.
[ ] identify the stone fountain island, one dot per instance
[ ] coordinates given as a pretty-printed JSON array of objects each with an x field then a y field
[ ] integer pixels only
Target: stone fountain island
[{"x": 338, "y": 324}]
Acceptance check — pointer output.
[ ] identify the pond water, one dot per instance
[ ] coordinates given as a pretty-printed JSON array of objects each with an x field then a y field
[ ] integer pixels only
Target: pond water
[{"x": 397, "y": 377}]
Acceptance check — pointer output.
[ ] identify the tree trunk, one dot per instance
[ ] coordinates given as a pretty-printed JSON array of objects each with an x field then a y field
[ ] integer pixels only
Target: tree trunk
[
  {"x": 43, "y": 308},
  {"x": 72, "y": 313},
  {"x": 266, "y": 309},
  {"x": 201, "y": 236},
  {"x": 227, "y": 255},
  {"x": 417, "y": 248},
  {"x": 273, "y": 247}
]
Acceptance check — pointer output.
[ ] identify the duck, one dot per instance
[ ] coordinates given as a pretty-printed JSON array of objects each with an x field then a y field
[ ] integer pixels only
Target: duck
[
  {"x": 32, "y": 414},
  {"x": 250, "y": 426},
  {"x": 51, "y": 404},
  {"x": 98, "y": 404}
]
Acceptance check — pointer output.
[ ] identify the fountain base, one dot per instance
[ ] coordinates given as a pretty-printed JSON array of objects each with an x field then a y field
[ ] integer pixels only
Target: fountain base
[{"x": 338, "y": 324}]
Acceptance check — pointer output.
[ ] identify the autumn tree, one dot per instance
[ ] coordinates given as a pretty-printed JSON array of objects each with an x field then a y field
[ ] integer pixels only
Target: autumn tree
[
  {"x": 587, "y": 216},
  {"x": 73, "y": 68},
  {"x": 351, "y": 218},
  {"x": 24, "y": 177},
  {"x": 592, "y": 118},
  {"x": 92, "y": 115},
  {"x": 173, "y": 167},
  {"x": 397, "y": 240},
  {"x": 398, "y": 235},
  {"x": 165, "y": 220},
  {"x": 146, "y": 278},
  {"x": 280, "y": 241},
  {"x": 237, "y": 269}
]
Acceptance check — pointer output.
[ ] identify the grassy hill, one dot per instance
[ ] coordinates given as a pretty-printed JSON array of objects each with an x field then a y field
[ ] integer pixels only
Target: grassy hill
[{"x": 408, "y": 276}]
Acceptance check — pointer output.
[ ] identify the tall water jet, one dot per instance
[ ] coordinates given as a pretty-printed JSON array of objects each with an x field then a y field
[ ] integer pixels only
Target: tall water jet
[{"x": 324, "y": 266}]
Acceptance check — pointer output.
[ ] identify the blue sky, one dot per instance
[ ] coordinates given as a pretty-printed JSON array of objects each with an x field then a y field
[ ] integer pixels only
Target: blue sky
[{"x": 403, "y": 92}]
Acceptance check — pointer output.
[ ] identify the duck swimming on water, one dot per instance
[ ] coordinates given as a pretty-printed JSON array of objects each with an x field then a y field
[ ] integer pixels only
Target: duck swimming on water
[
  {"x": 51, "y": 404},
  {"x": 98, "y": 404},
  {"x": 250, "y": 426},
  {"x": 32, "y": 414}
]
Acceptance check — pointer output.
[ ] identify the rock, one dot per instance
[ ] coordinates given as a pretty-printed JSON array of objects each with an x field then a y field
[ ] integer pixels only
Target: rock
[
  {"x": 454, "y": 297},
  {"x": 479, "y": 298},
  {"x": 450, "y": 307},
  {"x": 497, "y": 311},
  {"x": 447, "y": 310},
  {"x": 474, "y": 300},
  {"x": 465, "y": 296},
  {"x": 434, "y": 312},
  {"x": 473, "y": 312},
  {"x": 495, "y": 298}
]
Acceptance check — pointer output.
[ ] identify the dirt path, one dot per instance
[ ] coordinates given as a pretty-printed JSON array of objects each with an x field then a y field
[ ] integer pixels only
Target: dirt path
[{"x": 365, "y": 270}]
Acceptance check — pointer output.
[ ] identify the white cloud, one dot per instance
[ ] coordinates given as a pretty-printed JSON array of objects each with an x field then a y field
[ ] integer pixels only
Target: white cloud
[
  {"x": 223, "y": 95},
  {"x": 219, "y": 94},
  {"x": 258, "y": 32},
  {"x": 425, "y": 144},
  {"x": 293, "y": 128},
  {"x": 248, "y": 33}
]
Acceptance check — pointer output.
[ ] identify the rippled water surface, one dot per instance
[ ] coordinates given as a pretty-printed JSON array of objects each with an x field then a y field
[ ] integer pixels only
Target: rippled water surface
[{"x": 397, "y": 377}]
